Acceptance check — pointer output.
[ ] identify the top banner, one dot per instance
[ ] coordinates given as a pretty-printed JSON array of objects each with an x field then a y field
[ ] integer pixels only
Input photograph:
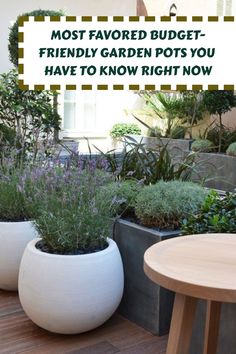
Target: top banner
[{"x": 127, "y": 53}]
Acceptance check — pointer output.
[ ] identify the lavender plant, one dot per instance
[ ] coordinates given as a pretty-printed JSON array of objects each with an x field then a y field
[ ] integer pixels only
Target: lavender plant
[
  {"x": 12, "y": 200},
  {"x": 68, "y": 215}
]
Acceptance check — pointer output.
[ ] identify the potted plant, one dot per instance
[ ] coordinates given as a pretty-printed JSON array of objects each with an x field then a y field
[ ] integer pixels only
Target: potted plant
[
  {"x": 27, "y": 122},
  {"x": 164, "y": 205},
  {"x": 71, "y": 279},
  {"x": 149, "y": 214},
  {"x": 16, "y": 227},
  {"x": 120, "y": 130}
]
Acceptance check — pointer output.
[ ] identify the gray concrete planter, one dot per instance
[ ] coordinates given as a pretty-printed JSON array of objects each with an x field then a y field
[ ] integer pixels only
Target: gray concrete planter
[
  {"x": 176, "y": 146},
  {"x": 219, "y": 169},
  {"x": 145, "y": 303},
  {"x": 227, "y": 337}
]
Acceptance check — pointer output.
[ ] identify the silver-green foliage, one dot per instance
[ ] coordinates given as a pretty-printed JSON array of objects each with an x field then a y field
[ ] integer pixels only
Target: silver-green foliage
[
  {"x": 202, "y": 145},
  {"x": 120, "y": 195},
  {"x": 165, "y": 204},
  {"x": 231, "y": 149}
]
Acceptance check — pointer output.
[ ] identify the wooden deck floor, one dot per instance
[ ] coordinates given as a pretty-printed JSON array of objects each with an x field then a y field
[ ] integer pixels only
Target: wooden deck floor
[{"x": 19, "y": 335}]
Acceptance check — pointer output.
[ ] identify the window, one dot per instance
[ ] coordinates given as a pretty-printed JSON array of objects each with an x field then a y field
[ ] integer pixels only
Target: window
[
  {"x": 78, "y": 110},
  {"x": 224, "y": 7},
  {"x": 69, "y": 113}
]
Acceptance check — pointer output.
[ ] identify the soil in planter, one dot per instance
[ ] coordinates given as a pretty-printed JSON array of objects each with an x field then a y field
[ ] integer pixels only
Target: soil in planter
[
  {"x": 161, "y": 223},
  {"x": 14, "y": 220},
  {"x": 130, "y": 216},
  {"x": 42, "y": 246}
]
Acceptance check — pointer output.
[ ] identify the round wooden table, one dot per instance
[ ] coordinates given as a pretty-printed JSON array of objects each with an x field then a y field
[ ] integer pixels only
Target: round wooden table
[{"x": 195, "y": 267}]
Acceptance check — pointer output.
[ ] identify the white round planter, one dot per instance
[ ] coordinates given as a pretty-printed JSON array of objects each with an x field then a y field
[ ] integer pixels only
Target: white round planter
[
  {"x": 70, "y": 293},
  {"x": 14, "y": 237}
]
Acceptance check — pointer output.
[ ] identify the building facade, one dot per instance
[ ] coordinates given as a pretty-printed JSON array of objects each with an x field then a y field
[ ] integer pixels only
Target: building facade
[{"x": 92, "y": 114}]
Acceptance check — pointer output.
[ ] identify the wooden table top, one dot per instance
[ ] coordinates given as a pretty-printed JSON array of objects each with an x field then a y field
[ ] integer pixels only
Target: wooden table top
[{"x": 202, "y": 266}]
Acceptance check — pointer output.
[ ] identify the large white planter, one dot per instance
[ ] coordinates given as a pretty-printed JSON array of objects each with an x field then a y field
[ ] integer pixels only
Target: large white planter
[
  {"x": 14, "y": 237},
  {"x": 70, "y": 293}
]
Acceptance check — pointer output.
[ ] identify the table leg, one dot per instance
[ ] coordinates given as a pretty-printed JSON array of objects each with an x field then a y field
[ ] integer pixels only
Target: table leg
[
  {"x": 212, "y": 327},
  {"x": 181, "y": 324}
]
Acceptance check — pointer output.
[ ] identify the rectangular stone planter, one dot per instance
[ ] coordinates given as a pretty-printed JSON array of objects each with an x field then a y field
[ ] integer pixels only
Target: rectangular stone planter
[
  {"x": 175, "y": 146},
  {"x": 219, "y": 169},
  {"x": 145, "y": 303},
  {"x": 227, "y": 337}
]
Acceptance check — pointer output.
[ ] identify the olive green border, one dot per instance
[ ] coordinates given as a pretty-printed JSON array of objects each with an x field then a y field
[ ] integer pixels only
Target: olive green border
[{"x": 103, "y": 87}]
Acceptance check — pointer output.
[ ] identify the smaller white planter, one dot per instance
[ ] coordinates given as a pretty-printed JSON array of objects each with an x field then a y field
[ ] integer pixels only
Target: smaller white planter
[
  {"x": 70, "y": 294},
  {"x": 14, "y": 237}
]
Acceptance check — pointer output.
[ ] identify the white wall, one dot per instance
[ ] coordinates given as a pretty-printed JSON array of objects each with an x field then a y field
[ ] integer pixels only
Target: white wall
[
  {"x": 10, "y": 9},
  {"x": 184, "y": 7},
  {"x": 94, "y": 113}
]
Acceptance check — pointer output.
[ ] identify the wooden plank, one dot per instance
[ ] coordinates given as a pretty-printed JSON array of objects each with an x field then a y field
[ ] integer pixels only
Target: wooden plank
[
  {"x": 156, "y": 345},
  {"x": 18, "y": 334},
  {"x": 99, "y": 348}
]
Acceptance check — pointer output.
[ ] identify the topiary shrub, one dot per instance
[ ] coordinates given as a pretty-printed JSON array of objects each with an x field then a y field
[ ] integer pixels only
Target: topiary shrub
[
  {"x": 231, "y": 149},
  {"x": 119, "y": 130},
  {"x": 202, "y": 145},
  {"x": 217, "y": 215},
  {"x": 122, "y": 196},
  {"x": 165, "y": 204},
  {"x": 13, "y": 35}
]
